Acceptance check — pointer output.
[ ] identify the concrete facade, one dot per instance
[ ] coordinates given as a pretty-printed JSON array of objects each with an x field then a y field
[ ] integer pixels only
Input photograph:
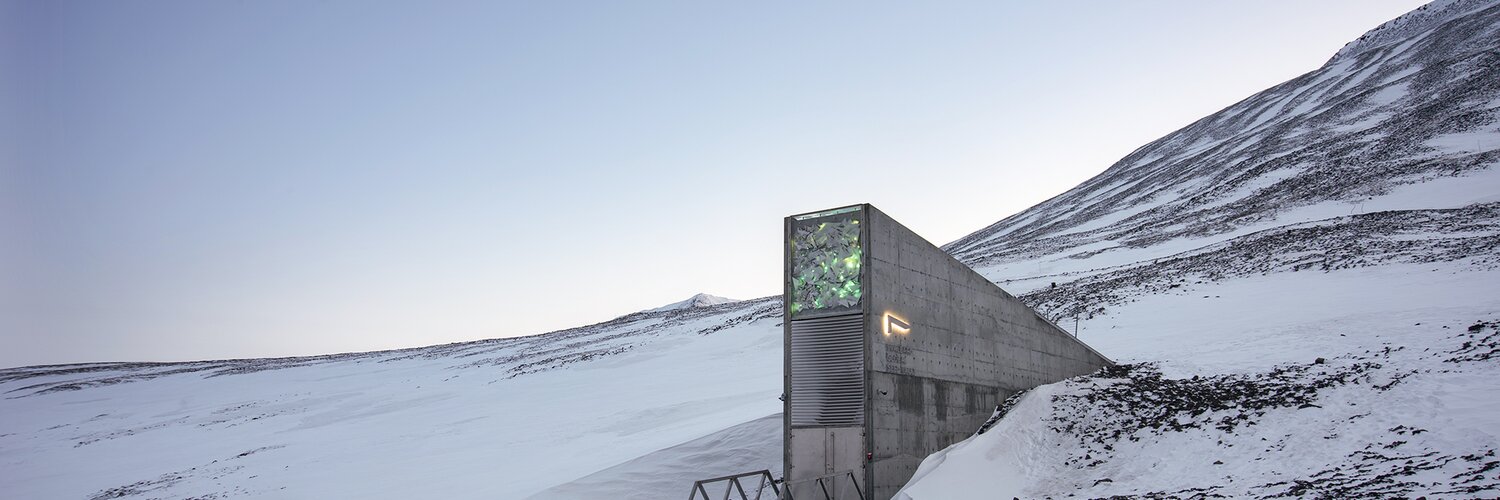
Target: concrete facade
[{"x": 942, "y": 347}]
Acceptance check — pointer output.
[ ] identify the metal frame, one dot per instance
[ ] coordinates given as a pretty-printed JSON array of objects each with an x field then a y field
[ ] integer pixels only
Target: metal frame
[
  {"x": 823, "y": 482},
  {"x": 763, "y": 478}
]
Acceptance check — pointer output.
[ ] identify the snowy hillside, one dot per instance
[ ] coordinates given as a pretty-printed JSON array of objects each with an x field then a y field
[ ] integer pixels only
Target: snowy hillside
[
  {"x": 1408, "y": 125},
  {"x": 494, "y": 419},
  {"x": 1372, "y": 382},
  {"x": 1305, "y": 288}
]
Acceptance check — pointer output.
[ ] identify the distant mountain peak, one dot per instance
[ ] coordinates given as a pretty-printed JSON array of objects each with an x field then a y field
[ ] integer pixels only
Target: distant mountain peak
[{"x": 697, "y": 300}]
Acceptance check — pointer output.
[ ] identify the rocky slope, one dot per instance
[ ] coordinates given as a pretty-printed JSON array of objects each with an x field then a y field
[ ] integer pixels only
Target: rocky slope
[{"x": 1303, "y": 286}]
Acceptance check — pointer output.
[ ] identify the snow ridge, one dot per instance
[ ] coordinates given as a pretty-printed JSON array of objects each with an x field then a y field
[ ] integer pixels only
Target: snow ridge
[{"x": 1408, "y": 25}]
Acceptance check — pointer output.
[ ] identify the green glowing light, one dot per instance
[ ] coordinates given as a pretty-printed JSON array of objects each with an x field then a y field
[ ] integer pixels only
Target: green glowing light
[{"x": 826, "y": 261}]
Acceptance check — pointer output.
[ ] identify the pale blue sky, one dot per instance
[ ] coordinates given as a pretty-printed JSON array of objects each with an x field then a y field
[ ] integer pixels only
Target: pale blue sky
[{"x": 192, "y": 180}]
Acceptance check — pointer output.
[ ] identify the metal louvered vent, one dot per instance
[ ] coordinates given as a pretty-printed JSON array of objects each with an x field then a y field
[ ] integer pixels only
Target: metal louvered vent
[{"x": 828, "y": 383}]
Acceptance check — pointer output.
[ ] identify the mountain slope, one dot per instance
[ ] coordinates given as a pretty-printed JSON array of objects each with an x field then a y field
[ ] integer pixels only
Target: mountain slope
[
  {"x": 1305, "y": 288},
  {"x": 1398, "y": 126}
]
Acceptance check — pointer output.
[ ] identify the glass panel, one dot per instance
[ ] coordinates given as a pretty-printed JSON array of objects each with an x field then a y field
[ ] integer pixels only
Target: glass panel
[{"x": 827, "y": 256}]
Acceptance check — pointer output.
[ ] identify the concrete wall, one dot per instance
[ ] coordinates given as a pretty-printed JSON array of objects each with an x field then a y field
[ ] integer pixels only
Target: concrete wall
[{"x": 970, "y": 345}]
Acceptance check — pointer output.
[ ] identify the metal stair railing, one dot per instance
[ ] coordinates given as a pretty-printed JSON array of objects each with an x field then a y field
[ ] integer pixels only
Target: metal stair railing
[
  {"x": 732, "y": 484},
  {"x": 824, "y": 482}
]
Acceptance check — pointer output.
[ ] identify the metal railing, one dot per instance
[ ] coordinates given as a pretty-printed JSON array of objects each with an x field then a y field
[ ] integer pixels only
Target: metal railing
[
  {"x": 732, "y": 484},
  {"x": 763, "y": 479},
  {"x": 824, "y": 482}
]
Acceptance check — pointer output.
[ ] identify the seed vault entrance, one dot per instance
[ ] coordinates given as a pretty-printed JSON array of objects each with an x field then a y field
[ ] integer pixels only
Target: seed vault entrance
[{"x": 895, "y": 350}]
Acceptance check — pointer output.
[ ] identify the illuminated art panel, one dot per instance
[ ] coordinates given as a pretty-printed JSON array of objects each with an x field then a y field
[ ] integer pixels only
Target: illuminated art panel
[{"x": 827, "y": 256}]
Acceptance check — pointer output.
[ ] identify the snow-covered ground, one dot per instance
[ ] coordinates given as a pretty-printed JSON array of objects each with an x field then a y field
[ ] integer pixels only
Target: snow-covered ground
[
  {"x": 494, "y": 419},
  {"x": 1404, "y": 377}
]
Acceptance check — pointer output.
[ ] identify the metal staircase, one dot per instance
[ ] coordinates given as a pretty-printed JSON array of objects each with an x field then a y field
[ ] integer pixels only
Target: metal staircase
[
  {"x": 732, "y": 484},
  {"x": 831, "y": 486}
]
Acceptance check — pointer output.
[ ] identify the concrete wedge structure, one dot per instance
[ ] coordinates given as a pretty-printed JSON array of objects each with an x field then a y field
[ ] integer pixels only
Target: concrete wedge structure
[{"x": 895, "y": 350}]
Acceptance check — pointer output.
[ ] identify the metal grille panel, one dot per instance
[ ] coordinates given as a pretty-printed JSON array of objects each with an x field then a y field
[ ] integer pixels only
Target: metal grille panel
[{"x": 828, "y": 383}]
